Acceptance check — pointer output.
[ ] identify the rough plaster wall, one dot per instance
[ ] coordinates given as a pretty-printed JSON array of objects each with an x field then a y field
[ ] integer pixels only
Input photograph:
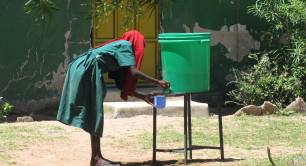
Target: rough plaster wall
[
  {"x": 58, "y": 76},
  {"x": 235, "y": 38},
  {"x": 33, "y": 67}
]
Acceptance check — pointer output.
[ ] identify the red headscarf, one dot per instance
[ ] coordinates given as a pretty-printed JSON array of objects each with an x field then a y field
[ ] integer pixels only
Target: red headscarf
[{"x": 138, "y": 44}]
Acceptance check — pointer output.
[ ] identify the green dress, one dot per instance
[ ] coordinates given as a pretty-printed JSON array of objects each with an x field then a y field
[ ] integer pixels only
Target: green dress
[{"x": 81, "y": 103}]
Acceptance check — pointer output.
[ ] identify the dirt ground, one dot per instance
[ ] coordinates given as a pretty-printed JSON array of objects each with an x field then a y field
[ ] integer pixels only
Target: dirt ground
[{"x": 75, "y": 151}]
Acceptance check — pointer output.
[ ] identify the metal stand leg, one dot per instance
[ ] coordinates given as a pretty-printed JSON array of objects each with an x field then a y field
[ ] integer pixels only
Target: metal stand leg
[
  {"x": 154, "y": 136},
  {"x": 188, "y": 147},
  {"x": 185, "y": 129},
  {"x": 221, "y": 132},
  {"x": 189, "y": 125}
]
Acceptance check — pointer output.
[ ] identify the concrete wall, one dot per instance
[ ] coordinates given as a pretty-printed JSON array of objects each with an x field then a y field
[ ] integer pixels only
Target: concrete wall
[
  {"x": 33, "y": 58},
  {"x": 234, "y": 34}
]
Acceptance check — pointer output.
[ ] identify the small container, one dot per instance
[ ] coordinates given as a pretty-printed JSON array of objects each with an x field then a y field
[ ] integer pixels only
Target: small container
[{"x": 160, "y": 101}]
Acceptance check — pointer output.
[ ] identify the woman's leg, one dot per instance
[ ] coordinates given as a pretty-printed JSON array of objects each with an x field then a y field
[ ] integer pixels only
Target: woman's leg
[{"x": 96, "y": 155}]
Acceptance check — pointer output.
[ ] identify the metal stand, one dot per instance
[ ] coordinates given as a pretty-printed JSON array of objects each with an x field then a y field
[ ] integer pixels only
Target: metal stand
[
  {"x": 154, "y": 135},
  {"x": 188, "y": 147}
]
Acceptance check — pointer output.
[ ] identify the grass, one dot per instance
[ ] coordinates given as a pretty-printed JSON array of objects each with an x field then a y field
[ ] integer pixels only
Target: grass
[
  {"x": 249, "y": 135},
  {"x": 292, "y": 160},
  {"x": 245, "y": 132},
  {"x": 258, "y": 132},
  {"x": 166, "y": 136},
  {"x": 14, "y": 137}
]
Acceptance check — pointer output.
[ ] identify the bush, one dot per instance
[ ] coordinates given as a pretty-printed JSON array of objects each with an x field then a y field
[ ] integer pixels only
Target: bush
[
  {"x": 5, "y": 108},
  {"x": 279, "y": 72}
]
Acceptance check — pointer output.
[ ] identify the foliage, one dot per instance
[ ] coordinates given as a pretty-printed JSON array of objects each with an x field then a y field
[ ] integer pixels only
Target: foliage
[
  {"x": 285, "y": 112},
  {"x": 132, "y": 8},
  {"x": 42, "y": 9},
  {"x": 265, "y": 82},
  {"x": 279, "y": 72},
  {"x": 5, "y": 108}
]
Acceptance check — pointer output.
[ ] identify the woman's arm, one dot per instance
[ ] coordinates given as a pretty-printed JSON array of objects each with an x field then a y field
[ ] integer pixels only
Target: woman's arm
[
  {"x": 145, "y": 97},
  {"x": 140, "y": 75}
]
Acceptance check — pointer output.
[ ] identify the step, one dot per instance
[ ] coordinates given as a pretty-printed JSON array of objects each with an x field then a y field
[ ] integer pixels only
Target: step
[{"x": 174, "y": 107}]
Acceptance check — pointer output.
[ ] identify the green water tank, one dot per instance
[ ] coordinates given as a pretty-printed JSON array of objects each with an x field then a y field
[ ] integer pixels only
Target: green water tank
[{"x": 185, "y": 61}]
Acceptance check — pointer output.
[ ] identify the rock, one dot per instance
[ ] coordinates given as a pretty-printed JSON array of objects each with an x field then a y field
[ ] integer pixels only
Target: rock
[
  {"x": 1, "y": 101},
  {"x": 265, "y": 109},
  {"x": 249, "y": 110},
  {"x": 298, "y": 105},
  {"x": 25, "y": 119},
  {"x": 268, "y": 108}
]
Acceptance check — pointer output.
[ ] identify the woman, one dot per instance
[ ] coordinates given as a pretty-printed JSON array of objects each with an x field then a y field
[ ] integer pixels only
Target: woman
[{"x": 81, "y": 103}]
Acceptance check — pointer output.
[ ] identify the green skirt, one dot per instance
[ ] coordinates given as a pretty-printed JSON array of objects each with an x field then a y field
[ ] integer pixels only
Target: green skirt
[{"x": 81, "y": 103}]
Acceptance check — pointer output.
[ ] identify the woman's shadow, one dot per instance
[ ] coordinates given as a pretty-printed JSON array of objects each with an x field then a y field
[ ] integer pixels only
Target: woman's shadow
[{"x": 177, "y": 162}]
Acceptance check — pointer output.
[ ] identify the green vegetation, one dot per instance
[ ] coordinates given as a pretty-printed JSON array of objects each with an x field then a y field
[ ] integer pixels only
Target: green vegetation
[
  {"x": 165, "y": 136},
  {"x": 43, "y": 9},
  {"x": 245, "y": 132},
  {"x": 258, "y": 132},
  {"x": 279, "y": 71},
  {"x": 293, "y": 160},
  {"x": 5, "y": 108},
  {"x": 132, "y": 8}
]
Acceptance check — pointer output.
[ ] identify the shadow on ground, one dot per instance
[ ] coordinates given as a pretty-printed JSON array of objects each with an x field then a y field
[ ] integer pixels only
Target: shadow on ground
[{"x": 178, "y": 162}]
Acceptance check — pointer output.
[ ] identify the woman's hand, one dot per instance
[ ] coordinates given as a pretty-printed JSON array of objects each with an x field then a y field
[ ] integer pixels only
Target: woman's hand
[
  {"x": 164, "y": 84},
  {"x": 148, "y": 99},
  {"x": 138, "y": 74}
]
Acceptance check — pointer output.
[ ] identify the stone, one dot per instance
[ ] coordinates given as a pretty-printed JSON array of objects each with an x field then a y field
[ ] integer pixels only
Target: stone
[
  {"x": 268, "y": 108},
  {"x": 25, "y": 119},
  {"x": 1, "y": 101},
  {"x": 298, "y": 105},
  {"x": 265, "y": 109},
  {"x": 249, "y": 110}
]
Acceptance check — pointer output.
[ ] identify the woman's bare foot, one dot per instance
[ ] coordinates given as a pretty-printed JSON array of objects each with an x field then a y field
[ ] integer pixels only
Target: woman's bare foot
[
  {"x": 100, "y": 161},
  {"x": 96, "y": 156}
]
